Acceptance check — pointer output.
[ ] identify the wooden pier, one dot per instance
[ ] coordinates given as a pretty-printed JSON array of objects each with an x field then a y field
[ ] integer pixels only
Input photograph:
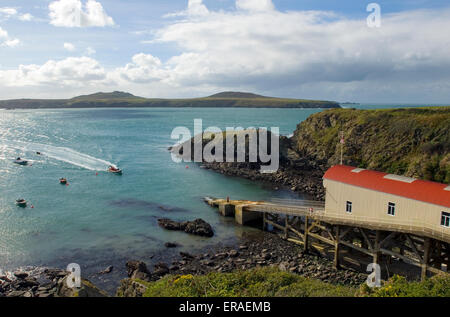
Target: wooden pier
[{"x": 306, "y": 223}]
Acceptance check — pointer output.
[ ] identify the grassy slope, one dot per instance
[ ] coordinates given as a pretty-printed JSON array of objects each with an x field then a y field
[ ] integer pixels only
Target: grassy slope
[
  {"x": 120, "y": 99},
  {"x": 271, "y": 282},
  {"x": 413, "y": 142},
  {"x": 266, "y": 282}
]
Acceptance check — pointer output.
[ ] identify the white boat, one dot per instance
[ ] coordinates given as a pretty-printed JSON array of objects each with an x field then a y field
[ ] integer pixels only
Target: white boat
[
  {"x": 21, "y": 203},
  {"x": 19, "y": 161}
]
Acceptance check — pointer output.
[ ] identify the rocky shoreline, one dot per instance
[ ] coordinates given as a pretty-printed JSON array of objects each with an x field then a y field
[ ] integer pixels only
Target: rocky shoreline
[
  {"x": 45, "y": 283},
  {"x": 304, "y": 181},
  {"x": 256, "y": 250}
]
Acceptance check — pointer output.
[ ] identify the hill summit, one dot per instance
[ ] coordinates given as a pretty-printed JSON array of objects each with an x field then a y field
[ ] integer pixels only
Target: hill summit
[
  {"x": 236, "y": 94},
  {"x": 107, "y": 95}
]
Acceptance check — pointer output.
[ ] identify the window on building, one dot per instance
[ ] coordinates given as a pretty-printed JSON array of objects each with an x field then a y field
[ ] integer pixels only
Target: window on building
[
  {"x": 391, "y": 209},
  {"x": 349, "y": 207},
  {"x": 445, "y": 219}
]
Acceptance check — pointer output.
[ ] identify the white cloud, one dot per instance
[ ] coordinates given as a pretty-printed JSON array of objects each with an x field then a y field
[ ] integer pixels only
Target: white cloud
[
  {"x": 90, "y": 51},
  {"x": 196, "y": 7},
  {"x": 8, "y": 11},
  {"x": 6, "y": 40},
  {"x": 260, "y": 48},
  {"x": 12, "y": 43},
  {"x": 26, "y": 17},
  {"x": 73, "y": 13},
  {"x": 69, "y": 47},
  {"x": 3, "y": 34},
  {"x": 255, "y": 5},
  {"x": 72, "y": 72},
  {"x": 144, "y": 68}
]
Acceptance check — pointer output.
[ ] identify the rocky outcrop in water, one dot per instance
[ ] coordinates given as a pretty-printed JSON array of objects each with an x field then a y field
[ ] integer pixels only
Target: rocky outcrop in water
[
  {"x": 197, "y": 227},
  {"x": 412, "y": 142}
]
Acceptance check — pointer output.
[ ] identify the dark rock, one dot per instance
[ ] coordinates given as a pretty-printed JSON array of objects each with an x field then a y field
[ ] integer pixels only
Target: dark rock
[
  {"x": 161, "y": 269},
  {"x": 171, "y": 245},
  {"x": 28, "y": 282},
  {"x": 185, "y": 255},
  {"x": 169, "y": 224},
  {"x": 197, "y": 227},
  {"x": 138, "y": 270},
  {"x": 55, "y": 273},
  {"x": 16, "y": 294},
  {"x": 21, "y": 275},
  {"x": 108, "y": 270}
]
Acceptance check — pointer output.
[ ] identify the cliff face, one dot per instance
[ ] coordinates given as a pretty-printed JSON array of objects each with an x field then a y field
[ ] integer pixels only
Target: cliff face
[{"x": 412, "y": 142}]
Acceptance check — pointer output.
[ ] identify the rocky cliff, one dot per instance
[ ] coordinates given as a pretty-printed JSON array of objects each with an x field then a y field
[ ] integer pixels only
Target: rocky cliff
[{"x": 413, "y": 142}]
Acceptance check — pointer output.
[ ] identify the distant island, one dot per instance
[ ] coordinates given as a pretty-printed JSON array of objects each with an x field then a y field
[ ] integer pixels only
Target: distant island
[{"x": 120, "y": 99}]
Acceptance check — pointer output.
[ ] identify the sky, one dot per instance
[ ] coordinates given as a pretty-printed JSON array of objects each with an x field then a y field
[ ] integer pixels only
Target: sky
[{"x": 313, "y": 49}]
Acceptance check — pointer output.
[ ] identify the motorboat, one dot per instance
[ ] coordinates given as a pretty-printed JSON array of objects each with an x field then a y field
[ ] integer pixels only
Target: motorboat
[
  {"x": 19, "y": 161},
  {"x": 21, "y": 203},
  {"x": 63, "y": 181},
  {"x": 115, "y": 170}
]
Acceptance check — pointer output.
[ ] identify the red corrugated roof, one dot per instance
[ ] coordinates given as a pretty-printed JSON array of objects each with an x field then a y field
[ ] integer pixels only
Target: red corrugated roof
[{"x": 429, "y": 192}]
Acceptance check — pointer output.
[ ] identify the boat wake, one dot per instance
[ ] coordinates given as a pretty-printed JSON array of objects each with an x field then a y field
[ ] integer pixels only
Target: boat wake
[{"x": 62, "y": 154}]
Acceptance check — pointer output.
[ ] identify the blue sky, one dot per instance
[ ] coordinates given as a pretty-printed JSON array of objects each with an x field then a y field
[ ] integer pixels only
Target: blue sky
[{"x": 186, "y": 48}]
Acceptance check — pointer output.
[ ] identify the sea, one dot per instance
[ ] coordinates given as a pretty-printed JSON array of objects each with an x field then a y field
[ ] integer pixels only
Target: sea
[{"x": 100, "y": 219}]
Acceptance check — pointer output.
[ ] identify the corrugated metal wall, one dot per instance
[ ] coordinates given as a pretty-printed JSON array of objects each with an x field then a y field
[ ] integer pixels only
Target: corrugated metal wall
[{"x": 371, "y": 207}]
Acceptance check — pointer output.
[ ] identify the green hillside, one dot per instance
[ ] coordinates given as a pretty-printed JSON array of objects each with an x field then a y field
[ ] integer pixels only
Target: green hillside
[
  {"x": 123, "y": 100},
  {"x": 413, "y": 142}
]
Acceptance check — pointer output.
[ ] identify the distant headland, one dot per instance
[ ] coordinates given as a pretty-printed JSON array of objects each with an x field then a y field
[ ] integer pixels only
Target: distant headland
[{"x": 120, "y": 99}]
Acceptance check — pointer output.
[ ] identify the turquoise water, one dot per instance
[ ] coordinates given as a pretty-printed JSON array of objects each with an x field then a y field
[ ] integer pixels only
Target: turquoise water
[{"x": 102, "y": 219}]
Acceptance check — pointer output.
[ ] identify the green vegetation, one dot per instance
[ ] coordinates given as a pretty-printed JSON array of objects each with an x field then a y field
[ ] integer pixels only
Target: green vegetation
[
  {"x": 121, "y": 99},
  {"x": 271, "y": 282},
  {"x": 266, "y": 282},
  {"x": 414, "y": 142},
  {"x": 398, "y": 286}
]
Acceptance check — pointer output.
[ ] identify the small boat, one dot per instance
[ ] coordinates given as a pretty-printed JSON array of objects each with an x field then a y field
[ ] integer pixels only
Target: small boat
[
  {"x": 114, "y": 170},
  {"x": 21, "y": 203},
  {"x": 19, "y": 161},
  {"x": 63, "y": 181},
  {"x": 38, "y": 153}
]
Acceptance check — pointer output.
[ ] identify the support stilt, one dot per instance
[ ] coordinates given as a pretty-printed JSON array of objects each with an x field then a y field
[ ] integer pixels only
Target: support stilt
[
  {"x": 376, "y": 251},
  {"x": 426, "y": 257},
  {"x": 306, "y": 237},
  {"x": 337, "y": 247}
]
